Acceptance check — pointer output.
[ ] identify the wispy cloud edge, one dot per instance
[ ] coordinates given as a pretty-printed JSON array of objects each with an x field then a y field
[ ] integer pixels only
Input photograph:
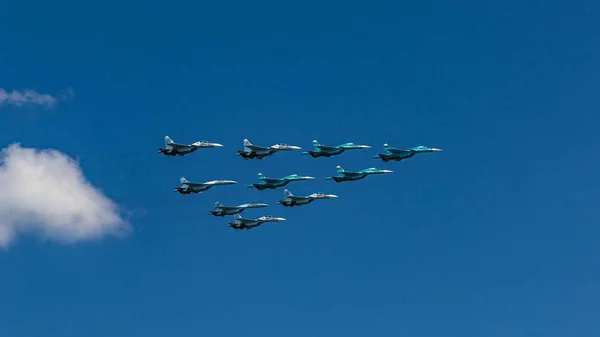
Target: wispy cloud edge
[{"x": 27, "y": 97}]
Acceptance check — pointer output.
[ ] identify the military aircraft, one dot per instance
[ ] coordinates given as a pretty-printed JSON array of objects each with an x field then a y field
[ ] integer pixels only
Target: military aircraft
[
  {"x": 350, "y": 176},
  {"x": 243, "y": 223},
  {"x": 188, "y": 187},
  {"x": 174, "y": 149},
  {"x": 394, "y": 154},
  {"x": 273, "y": 183},
  {"x": 252, "y": 151},
  {"x": 291, "y": 200},
  {"x": 320, "y": 150},
  {"x": 221, "y": 210}
]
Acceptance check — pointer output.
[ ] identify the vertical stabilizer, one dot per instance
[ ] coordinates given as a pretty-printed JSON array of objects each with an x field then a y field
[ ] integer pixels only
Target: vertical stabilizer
[
  {"x": 261, "y": 176},
  {"x": 247, "y": 145},
  {"x": 339, "y": 169},
  {"x": 237, "y": 216},
  {"x": 218, "y": 204},
  {"x": 168, "y": 141},
  {"x": 287, "y": 193},
  {"x": 183, "y": 180}
]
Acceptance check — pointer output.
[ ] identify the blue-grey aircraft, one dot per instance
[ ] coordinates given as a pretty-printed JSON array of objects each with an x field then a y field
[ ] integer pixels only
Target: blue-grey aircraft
[
  {"x": 344, "y": 175},
  {"x": 188, "y": 187},
  {"x": 320, "y": 150},
  {"x": 273, "y": 183},
  {"x": 243, "y": 223},
  {"x": 252, "y": 151},
  {"x": 221, "y": 210},
  {"x": 174, "y": 149},
  {"x": 394, "y": 154},
  {"x": 291, "y": 200}
]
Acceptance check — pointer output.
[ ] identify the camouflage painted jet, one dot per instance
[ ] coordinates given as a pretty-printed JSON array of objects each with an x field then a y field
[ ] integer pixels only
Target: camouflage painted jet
[
  {"x": 221, "y": 210},
  {"x": 394, "y": 154},
  {"x": 320, "y": 150},
  {"x": 252, "y": 151},
  {"x": 358, "y": 175},
  {"x": 188, "y": 187},
  {"x": 291, "y": 200},
  {"x": 174, "y": 149},
  {"x": 243, "y": 223},
  {"x": 273, "y": 183}
]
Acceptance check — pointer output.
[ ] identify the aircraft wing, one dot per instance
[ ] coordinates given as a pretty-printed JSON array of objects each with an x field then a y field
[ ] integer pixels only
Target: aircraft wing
[
  {"x": 270, "y": 180},
  {"x": 326, "y": 148},
  {"x": 228, "y": 207},
  {"x": 399, "y": 151},
  {"x": 350, "y": 174},
  {"x": 258, "y": 148},
  {"x": 191, "y": 183},
  {"x": 178, "y": 146},
  {"x": 296, "y": 197}
]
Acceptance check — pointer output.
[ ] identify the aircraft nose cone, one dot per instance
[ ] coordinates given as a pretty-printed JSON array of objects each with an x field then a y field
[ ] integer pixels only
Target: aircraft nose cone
[
  {"x": 217, "y": 145},
  {"x": 365, "y": 147},
  {"x": 295, "y": 148},
  {"x": 436, "y": 150},
  {"x": 333, "y": 196}
]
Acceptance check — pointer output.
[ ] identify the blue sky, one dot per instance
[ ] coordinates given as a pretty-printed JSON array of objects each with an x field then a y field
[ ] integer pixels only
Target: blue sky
[{"x": 495, "y": 236}]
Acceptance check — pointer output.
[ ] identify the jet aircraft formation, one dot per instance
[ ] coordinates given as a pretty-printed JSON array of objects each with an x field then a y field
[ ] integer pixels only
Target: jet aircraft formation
[{"x": 251, "y": 151}]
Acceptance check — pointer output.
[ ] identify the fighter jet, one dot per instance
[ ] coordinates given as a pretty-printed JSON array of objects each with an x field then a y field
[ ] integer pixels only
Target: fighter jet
[
  {"x": 252, "y": 151},
  {"x": 320, "y": 150},
  {"x": 291, "y": 200},
  {"x": 394, "y": 154},
  {"x": 243, "y": 223},
  {"x": 358, "y": 175},
  {"x": 273, "y": 183},
  {"x": 174, "y": 149},
  {"x": 221, "y": 210},
  {"x": 188, "y": 187}
]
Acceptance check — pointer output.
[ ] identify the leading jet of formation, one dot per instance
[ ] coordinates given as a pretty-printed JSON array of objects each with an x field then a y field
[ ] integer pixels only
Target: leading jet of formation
[
  {"x": 175, "y": 149},
  {"x": 273, "y": 183},
  {"x": 189, "y": 187},
  {"x": 252, "y": 151},
  {"x": 291, "y": 200},
  {"x": 320, "y": 150},
  {"x": 344, "y": 175},
  {"x": 222, "y": 210},
  {"x": 394, "y": 154},
  {"x": 243, "y": 223}
]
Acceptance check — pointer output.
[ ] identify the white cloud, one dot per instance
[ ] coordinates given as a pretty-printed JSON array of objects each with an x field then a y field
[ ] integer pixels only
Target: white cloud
[
  {"x": 44, "y": 193},
  {"x": 31, "y": 97}
]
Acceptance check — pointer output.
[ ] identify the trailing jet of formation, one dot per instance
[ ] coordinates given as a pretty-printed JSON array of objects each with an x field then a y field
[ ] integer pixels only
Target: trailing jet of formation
[{"x": 251, "y": 151}]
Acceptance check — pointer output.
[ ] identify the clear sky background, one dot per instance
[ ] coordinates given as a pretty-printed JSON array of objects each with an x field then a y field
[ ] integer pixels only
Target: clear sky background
[{"x": 495, "y": 236}]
